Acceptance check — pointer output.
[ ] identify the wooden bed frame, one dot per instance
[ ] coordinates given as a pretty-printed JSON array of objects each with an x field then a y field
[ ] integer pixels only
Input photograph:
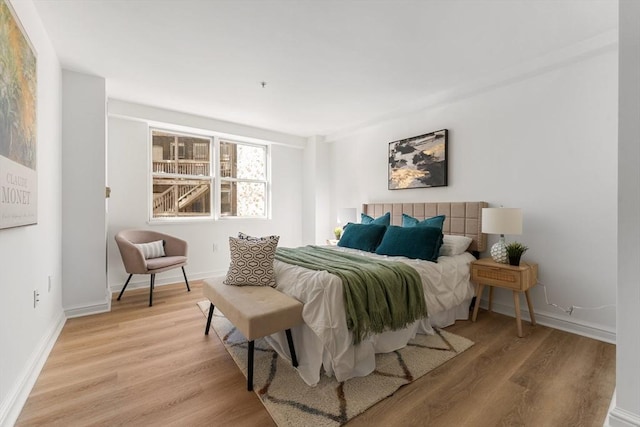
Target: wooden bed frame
[{"x": 462, "y": 218}]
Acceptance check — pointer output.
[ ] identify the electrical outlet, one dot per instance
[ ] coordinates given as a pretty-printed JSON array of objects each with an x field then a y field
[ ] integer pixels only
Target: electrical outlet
[
  {"x": 49, "y": 285},
  {"x": 36, "y": 298}
]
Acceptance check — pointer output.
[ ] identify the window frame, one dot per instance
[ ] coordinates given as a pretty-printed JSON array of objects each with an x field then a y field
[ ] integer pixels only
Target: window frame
[
  {"x": 214, "y": 173},
  {"x": 151, "y": 174},
  {"x": 266, "y": 181}
]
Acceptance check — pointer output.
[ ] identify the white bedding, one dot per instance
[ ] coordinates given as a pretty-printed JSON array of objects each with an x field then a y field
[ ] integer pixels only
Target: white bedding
[{"x": 325, "y": 341}]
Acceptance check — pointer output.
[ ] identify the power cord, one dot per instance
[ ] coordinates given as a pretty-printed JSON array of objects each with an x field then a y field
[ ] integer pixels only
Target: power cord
[{"x": 570, "y": 309}]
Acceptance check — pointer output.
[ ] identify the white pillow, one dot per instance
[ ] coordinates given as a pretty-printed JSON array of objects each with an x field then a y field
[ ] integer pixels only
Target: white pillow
[
  {"x": 152, "y": 249},
  {"x": 454, "y": 245}
]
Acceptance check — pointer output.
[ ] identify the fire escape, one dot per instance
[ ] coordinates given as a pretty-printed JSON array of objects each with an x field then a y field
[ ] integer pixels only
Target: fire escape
[{"x": 177, "y": 190}]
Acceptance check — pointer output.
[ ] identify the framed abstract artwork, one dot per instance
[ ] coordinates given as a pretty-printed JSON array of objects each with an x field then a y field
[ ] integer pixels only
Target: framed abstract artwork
[
  {"x": 18, "y": 141},
  {"x": 418, "y": 162}
]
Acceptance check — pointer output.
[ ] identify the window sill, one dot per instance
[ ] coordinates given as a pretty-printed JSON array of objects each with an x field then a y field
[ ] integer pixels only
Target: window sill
[{"x": 161, "y": 221}]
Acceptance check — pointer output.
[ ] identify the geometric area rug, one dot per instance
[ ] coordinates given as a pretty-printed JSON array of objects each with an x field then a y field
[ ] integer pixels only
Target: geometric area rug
[{"x": 291, "y": 402}]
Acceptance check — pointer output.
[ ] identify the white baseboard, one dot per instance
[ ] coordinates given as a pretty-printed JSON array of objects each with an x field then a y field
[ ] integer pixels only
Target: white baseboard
[
  {"x": 561, "y": 323},
  {"x": 12, "y": 405},
  {"x": 619, "y": 417},
  {"x": 139, "y": 281},
  {"x": 85, "y": 310}
]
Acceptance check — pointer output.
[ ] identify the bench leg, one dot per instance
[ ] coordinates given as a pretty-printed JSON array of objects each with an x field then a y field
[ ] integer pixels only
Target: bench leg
[
  {"x": 206, "y": 331},
  {"x": 153, "y": 279},
  {"x": 124, "y": 287},
  {"x": 250, "y": 367},
  {"x": 185, "y": 280},
  {"x": 292, "y": 350}
]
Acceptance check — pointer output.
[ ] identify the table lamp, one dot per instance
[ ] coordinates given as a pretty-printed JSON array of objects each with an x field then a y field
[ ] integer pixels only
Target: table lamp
[
  {"x": 501, "y": 221},
  {"x": 345, "y": 216}
]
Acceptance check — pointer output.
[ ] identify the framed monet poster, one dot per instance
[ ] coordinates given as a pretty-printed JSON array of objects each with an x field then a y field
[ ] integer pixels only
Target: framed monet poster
[
  {"x": 418, "y": 162},
  {"x": 18, "y": 142}
]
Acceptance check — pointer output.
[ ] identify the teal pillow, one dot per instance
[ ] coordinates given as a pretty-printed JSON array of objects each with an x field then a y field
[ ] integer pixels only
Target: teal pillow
[
  {"x": 434, "y": 221},
  {"x": 382, "y": 220},
  {"x": 412, "y": 242},
  {"x": 365, "y": 237}
]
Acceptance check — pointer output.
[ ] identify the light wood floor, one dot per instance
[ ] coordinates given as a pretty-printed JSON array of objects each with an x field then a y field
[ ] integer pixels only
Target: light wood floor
[{"x": 153, "y": 366}]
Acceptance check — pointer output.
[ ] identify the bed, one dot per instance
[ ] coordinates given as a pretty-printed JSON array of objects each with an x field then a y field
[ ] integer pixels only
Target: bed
[{"x": 325, "y": 344}]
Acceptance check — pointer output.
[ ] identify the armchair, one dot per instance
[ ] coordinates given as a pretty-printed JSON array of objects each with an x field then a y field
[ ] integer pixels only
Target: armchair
[{"x": 135, "y": 262}]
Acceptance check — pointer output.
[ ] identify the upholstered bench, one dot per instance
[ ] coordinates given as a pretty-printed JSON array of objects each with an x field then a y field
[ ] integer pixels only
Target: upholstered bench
[{"x": 256, "y": 311}]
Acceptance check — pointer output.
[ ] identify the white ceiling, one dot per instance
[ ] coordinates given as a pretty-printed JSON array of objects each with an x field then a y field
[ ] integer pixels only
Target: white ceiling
[{"x": 329, "y": 65}]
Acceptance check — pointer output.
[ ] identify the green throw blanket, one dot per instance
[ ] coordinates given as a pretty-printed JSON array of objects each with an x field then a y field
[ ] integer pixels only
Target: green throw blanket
[{"x": 378, "y": 295}]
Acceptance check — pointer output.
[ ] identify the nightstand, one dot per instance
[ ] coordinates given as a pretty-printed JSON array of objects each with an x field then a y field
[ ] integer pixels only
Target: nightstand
[{"x": 486, "y": 272}]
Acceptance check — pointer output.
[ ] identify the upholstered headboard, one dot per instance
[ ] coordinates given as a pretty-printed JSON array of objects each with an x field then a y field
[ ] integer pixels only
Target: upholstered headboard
[{"x": 462, "y": 218}]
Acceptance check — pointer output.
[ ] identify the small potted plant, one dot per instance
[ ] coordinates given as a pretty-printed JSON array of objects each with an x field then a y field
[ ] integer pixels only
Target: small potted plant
[
  {"x": 515, "y": 251},
  {"x": 337, "y": 232}
]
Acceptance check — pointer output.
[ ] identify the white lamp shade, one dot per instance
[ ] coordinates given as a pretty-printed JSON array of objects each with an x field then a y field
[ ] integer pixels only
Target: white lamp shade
[
  {"x": 346, "y": 215},
  {"x": 502, "y": 220}
]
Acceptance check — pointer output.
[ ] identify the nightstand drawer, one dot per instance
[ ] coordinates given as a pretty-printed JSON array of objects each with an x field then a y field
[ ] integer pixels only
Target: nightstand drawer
[
  {"x": 518, "y": 278},
  {"x": 497, "y": 277}
]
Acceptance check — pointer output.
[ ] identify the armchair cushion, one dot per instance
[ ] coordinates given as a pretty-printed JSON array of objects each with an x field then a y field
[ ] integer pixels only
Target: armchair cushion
[
  {"x": 152, "y": 249},
  {"x": 165, "y": 263}
]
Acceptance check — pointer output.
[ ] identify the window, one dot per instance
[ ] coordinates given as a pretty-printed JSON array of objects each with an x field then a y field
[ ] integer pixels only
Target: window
[
  {"x": 183, "y": 178},
  {"x": 243, "y": 179},
  {"x": 181, "y": 175}
]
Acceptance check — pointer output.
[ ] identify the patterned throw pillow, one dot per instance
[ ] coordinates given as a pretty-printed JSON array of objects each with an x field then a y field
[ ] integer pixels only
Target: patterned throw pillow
[
  {"x": 151, "y": 249},
  {"x": 252, "y": 261},
  {"x": 243, "y": 236}
]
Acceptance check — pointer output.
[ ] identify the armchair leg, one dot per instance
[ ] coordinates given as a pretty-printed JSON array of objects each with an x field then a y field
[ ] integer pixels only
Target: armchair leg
[
  {"x": 153, "y": 279},
  {"x": 185, "y": 279},
  {"x": 124, "y": 287}
]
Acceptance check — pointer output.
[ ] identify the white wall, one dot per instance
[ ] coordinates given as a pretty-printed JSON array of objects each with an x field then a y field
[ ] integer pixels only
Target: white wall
[
  {"x": 316, "y": 198},
  {"x": 625, "y": 409},
  {"x": 309, "y": 180},
  {"x": 31, "y": 254},
  {"x": 83, "y": 195},
  {"x": 545, "y": 142},
  {"x": 128, "y": 205}
]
